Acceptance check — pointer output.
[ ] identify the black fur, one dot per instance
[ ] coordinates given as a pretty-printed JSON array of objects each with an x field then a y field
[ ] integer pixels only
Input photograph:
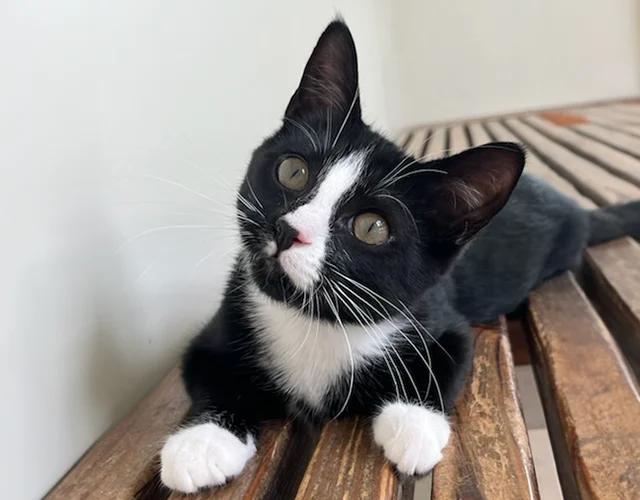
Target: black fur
[{"x": 449, "y": 261}]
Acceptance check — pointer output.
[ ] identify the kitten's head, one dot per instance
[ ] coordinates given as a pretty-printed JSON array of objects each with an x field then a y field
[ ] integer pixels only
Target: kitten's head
[{"x": 336, "y": 219}]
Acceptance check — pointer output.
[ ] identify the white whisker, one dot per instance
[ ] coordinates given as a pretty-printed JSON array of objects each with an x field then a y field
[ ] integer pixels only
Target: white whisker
[{"x": 346, "y": 118}]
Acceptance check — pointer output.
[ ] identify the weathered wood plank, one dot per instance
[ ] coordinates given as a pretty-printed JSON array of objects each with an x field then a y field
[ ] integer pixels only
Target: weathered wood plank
[
  {"x": 590, "y": 401},
  {"x": 457, "y": 139},
  {"x": 598, "y": 184},
  {"x": 610, "y": 123},
  {"x": 124, "y": 460},
  {"x": 539, "y": 168},
  {"x": 478, "y": 133},
  {"x": 615, "y": 114},
  {"x": 624, "y": 141},
  {"x": 259, "y": 476},
  {"x": 627, "y": 108},
  {"x": 416, "y": 145},
  {"x": 488, "y": 456},
  {"x": 348, "y": 464},
  {"x": 612, "y": 275},
  {"x": 618, "y": 163},
  {"x": 437, "y": 147}
]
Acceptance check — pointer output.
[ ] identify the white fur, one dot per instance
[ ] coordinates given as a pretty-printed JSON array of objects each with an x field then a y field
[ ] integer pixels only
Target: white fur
[
  {"x": 411, "y": 436},
  {"x": 203, "y": 455},
  {"x": 310, "y": 356},
  {"x": 302, "y": 263}
]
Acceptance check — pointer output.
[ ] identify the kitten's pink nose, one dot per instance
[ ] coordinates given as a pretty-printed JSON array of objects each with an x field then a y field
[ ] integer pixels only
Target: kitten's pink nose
[{"x": 302, "y": 239}]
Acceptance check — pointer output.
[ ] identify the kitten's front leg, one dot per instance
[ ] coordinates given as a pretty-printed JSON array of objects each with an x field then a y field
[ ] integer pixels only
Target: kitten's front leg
[
  {"x": 204, "y": 454},
  {"x": 411, "y": 435},
  {"x": 228, "y": 408}
]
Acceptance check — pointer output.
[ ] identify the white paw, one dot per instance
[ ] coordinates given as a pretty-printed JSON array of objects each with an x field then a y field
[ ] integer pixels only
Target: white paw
[
  {"x": 203, "y": 455},
  {"x": 411, "y": 436}
]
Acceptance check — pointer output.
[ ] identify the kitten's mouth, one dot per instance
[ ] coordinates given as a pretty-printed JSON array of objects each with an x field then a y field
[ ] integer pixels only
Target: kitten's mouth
[{"x": 291, "y": 269}]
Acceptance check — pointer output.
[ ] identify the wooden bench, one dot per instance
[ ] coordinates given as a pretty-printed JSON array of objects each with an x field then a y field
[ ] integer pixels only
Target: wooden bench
[{"x": 573, "y": 325}]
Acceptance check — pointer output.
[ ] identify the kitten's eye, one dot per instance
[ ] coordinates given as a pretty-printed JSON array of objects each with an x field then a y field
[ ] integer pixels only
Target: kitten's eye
[
  {"x": 293, "y": 173},
  {"x": 371, "y": 228}
]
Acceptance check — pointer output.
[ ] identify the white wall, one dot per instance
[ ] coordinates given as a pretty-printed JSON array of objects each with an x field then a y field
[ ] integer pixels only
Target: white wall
[
  {"x": 114, "y": 113},
  {"x": 95, "y": 98},
  {"x": 464, "y": 58}
]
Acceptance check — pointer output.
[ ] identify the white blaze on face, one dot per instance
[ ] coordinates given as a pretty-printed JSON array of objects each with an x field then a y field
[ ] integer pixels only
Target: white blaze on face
[{"x": 302, "y": 262}]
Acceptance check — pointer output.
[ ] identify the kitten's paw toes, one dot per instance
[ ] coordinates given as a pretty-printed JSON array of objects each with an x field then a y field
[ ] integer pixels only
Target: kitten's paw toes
[
  {"x": 203, "y": 455},
  {"x": 411, "y": 436}
]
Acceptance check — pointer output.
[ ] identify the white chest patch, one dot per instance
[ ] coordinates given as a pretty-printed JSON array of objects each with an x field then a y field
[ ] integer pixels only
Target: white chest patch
[{"x": 308, "y": 356}]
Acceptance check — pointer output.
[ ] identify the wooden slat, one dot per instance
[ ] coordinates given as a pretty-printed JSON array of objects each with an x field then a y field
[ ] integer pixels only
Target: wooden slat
[
  {"x": 457, "y": 139},
  {"x": 418, "y": 140},
  {"x": 613, "y": 278},
  {"x": 437, "y": 143},
  {"x": 125, "y": 459},
  {"x": 347, "y": 464},
  {"x": 403, "y": 139},
  {"x": 591, "y": 405},
  {"x": 478, "y": 134},
  {"x": 260, "y": 473},
  {"x": 620, "y": 140},
  {"x": 632, "y": 110},
  {"x": 540, "y": 169},
  {"x": 594, "y": 182},
  {"x": 618, "y": 163},
  {"x": 609, "y": 123},
  {"x": 616, "y": 114},
  {"x": 488, "y": 456}
]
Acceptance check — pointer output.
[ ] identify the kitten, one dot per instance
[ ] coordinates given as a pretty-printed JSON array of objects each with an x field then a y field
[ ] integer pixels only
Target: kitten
[{"x": 351, "y": 294}]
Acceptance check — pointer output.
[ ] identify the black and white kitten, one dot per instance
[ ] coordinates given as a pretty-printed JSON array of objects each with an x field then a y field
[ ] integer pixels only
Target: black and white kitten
[{"x": 351, "y": 293}]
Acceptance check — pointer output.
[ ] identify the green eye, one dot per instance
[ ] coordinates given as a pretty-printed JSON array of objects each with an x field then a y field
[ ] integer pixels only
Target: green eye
[
  {"x": 371, "y": 228},
  {"x": 293, "y": 173}
]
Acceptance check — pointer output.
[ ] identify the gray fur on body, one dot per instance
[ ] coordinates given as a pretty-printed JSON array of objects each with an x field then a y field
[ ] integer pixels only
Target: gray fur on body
[{"x": 539, "y": 233}]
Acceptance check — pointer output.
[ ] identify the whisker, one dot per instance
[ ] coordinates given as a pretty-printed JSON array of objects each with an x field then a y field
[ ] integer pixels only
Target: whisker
[
  {"x": 254, "y": 195},
  {"x": 346, "y": 118},
  {"x": 388, "y": 360},
  {"x": 346, "y": 338},
  {"x": 304, "y": 130},
  {"x": 411, "y": 322}
]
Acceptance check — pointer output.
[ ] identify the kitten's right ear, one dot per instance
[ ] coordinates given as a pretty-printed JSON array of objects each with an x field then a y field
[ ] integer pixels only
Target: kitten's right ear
[
  {"x": 475, "y": 186},
  {"x": 330, "y": 78}
]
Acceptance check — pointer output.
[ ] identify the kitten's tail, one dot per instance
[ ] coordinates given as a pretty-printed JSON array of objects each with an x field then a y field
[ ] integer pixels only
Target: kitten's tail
[{"x": 615, "y": 221}]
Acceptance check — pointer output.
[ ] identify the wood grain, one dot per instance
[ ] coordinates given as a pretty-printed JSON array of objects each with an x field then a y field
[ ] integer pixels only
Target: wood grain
[
  {"x": 347, "y": 464},
  {"x": 612, "y": 275},
  {"x": 621, "y": 140},
  {"x": 488, "y": 456},
  {"x": 600, "y": 118},
  {"x": 437, "y": 146},
  {"x": 616, "y": 162},
  {"x": 457, "y": 139},
  {"x": 124, "y": 460},
  {"x": 598, "y": 184},
  {"x": 415, "y": 146},
  {"x": 478, "y": 133},
  {"x": 539, "y": 168},
  {"x": 564, "y": 119},
  {"x": 591, "y": 405}
]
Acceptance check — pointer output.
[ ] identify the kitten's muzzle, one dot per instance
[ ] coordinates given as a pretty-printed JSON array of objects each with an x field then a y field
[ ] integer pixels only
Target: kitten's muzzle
[{"x": 286, "y": 236}]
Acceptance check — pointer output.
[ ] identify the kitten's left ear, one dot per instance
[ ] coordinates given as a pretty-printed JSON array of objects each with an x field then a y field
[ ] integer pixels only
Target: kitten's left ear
[
  {"x": 477, "y": 184},
  {"x": 330, "y": 78}
]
